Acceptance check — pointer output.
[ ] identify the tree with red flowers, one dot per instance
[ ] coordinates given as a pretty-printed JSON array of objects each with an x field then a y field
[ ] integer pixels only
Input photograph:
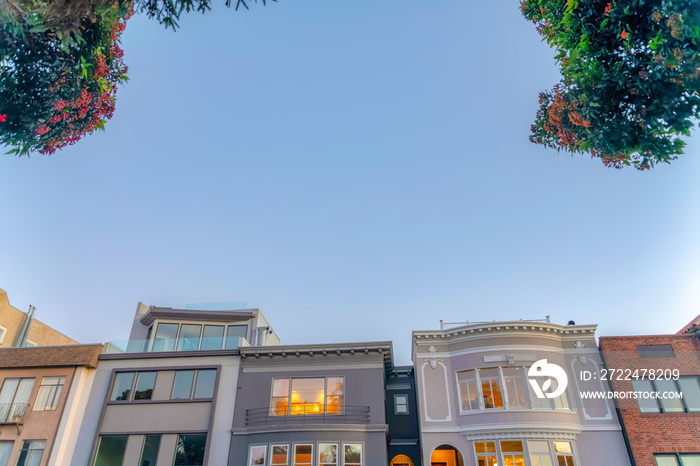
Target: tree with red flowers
[{"x": 630, "y": 78}]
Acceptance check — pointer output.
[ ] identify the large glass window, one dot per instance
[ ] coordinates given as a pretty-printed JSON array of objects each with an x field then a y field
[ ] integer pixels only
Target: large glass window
[
  {"x": 234, "y": 334},
  {"x": 189, "y": 337},
  {"x": 327, "y": 454},
  {"x": 485, "y": 453},
  {"x": 206, "y": 382},
  {"x": 14, "y": 396},
  {"x": 669, "y": 405},
  {"x": 149, "y": 454},
  {"x": 499, "y": 387},
  {"x": 122, "y": 386},
  {"x": 279, "y": 455},
  {"x": 182, "y": 387},
  {"x": 690, "y": 386},
  {"x": 258, "y": 455},
  {"x": 166, "y": 335},
  {"x": 352, "y": 454},
  {"x": 491, "y": 387},
  {"x": 5, "y": 451},
  {"x": 469, "y": 394},
  {"x": 190, "y": 449},
  {"x": 213, "y": 337},
  {"x": 110, "y": 450},
  {"x": 303, "y": 455},
  {"x": 306, "y": 396},
  {"x": 49, "y": 394},
  {"x": 650, "y": 398},
  {"x": 145, "y": 382},
  {"x": 516, "y": 389},
  {"x": 539, "y": 453}
]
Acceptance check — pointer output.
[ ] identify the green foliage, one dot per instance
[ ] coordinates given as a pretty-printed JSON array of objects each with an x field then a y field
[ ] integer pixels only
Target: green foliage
[
  {"x": 630, "y": 78},
  {"x": 167, "y": 12},
  {"x": 59, "y": 70}
]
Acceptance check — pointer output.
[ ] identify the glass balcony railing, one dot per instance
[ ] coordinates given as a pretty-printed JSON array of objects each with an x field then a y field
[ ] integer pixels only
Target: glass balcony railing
[{"x": 163, "y": 345}]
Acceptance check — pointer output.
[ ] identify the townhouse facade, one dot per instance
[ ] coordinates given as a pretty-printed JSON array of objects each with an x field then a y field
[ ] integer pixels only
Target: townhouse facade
[
  {"x": 658, "y": 431},
  {"x": 166, "y": 396},
  {"x": 477, "y": 407},
  {"x": 312, "y": 405},
  {"x": 43, "y": 395}
]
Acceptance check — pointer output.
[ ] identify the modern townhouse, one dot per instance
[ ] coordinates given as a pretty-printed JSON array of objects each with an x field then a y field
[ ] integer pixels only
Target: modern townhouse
[
  {"x": 478, "y": 407},
  {"x": 166, "y": 397},
  {"x": 312, "y": 405},
  {"x": 43, "y": 395},
  {"x": 402, "y": 417},
  {"x": 660, "y": 429}
]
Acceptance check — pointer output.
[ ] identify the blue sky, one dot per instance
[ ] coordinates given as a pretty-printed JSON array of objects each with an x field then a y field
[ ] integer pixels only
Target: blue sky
[{"x": 357, "y": 170}]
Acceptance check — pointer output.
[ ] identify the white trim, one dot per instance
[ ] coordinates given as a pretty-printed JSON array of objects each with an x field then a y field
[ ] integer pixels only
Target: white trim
[
  {"x": 294, "y": 451},
  {"x": 596, "y": 365},
  {"x": 362, "y": 452},
  {"x": 3, "y": 332},
  {"x": 337, "y": 453},
  {"x": 273, "y": 445},
  {"x": 30, "y": 344},
  {"x": 311, "y": 428},
  {"x": 509, "y": 349},
  {"x": 447, "y": 393},
  {"x": 250, "y": 453}
]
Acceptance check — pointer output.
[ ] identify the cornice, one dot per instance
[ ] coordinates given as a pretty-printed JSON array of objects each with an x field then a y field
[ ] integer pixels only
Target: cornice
[
  {"x": 541, "y": 328},
  {"x": 383, "y": 348}
]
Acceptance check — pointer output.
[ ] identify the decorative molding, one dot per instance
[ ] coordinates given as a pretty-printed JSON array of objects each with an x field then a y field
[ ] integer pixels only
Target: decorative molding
[
  {"x": 510, "y": 358},
  {"x": 447, "y": 393}
]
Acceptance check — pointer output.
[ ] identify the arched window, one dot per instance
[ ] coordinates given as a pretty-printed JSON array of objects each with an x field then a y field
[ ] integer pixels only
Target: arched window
[
  {"x": 446, "y": 455},
  {"x": 401, "y": 460}
]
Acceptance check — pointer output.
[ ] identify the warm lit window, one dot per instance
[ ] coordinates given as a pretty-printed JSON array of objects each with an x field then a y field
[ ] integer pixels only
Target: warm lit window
[
  {"x": 512, "y": 451},
  {"x": 279, "y": 455},
  {"x": 565, "y": 455},
  {"x": 352, "y": 454},
  {"x": 303, "y": 455},
  {"x": 539, "y": 453},
  {"x": 49, "y": 394},
  {"x": 485, "y": 453},
  {"x": 258, "y": 455},
  {"x": 400, "y": 404},
  {"x": 307, "y": 396},
  {"x": 327, "y": 454},
  {"x": 141, "y": 384},
  {"x": 490, "y": 383}
]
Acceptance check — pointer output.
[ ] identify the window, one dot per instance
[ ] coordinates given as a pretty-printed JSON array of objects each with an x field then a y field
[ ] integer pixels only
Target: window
[
  {"x": 3, "y": 331},
  {"x": 682, "y": 459},
  {"x": 485, "y": 453},
  {"x": 14, "y": 396},
  {"x": 655, "y": 351},
  {"x": 5, "y": 451},
  {"x": 110, "y": 450},
  {"x": 490, "y": 383},
  {"x": 149, "y": 454},
  {"x": 190, "y": 449},
  {"x": 516, "y": 391},
  {"x": 258, "y": 455},
  {"x": 352, "y": 454},
  {"x": 279, "y": 455},
  {"x": 539, "y": 453},
  {"x": 304, "y": 396},
  {"x": 327, "y": 454},
  {"x": 197, "y": 337},
  {"x": 565, "y": 455},
  {"x": 400, "y": 404},
  {"x": 513, "y": 452},
  {"x": 140, "y": 384},
  {"x": 303, "y": 455},
  {"x": 467, "y": 389},
  {"x": 203, "y": 389},
  {"x": 648, "y": 390},
  {"x": 31, "y": 452},
  {"x": 49, "y": 394},
  {"x": 30, "y": 344}
]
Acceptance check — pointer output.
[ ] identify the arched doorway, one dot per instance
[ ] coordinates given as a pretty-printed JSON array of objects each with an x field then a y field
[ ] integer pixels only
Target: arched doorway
[
  {"x": 446, "y": 455},
  {"x": 401, "y": 460}
]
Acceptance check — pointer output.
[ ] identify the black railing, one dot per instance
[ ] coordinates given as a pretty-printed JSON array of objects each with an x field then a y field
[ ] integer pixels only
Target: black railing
[
  {"x": 12, "y": 413},
  {"x": 257, "y": 417}
]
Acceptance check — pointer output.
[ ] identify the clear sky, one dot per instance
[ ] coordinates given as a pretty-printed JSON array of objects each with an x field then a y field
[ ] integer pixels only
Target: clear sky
[{"x": 357, "y": 170}]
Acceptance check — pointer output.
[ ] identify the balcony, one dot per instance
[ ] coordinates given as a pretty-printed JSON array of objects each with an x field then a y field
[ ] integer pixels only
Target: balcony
[
  {"x": 12, "y": 413},
  {"x": 162, "y": 346},
  {"x": 260, "y": 417}
]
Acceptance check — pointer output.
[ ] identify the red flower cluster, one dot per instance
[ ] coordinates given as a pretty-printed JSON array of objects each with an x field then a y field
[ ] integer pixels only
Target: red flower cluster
[
  {"x": 3, "y": 118},
  {"x": 608, "y": 8}
]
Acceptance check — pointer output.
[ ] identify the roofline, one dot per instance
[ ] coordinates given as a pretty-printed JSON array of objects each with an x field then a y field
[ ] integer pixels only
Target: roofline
[
  {"x": 194, "y": 314},
  {"x": 327, "y": 349},
  {"x": 511, "y": 325}
]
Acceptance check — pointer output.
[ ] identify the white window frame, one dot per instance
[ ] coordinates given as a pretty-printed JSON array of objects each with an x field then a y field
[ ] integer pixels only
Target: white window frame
[
  {"x": 3, "y": 332},
  {"x": 272, "y": 446},
  {"x": 362, "y": 454},
  {"x": 30, "y": 344},
  {"x": 302, "y": 444},
  {"x": 250, "y": 454},
  {"x": 337, "y": 454},
  {"x": 325, "y": 395}
]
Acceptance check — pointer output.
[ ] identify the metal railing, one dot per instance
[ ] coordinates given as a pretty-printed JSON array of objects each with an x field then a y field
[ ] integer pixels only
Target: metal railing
[
  {"x": 258, "y": 417},
  {"x": 12, "y": 413}
]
